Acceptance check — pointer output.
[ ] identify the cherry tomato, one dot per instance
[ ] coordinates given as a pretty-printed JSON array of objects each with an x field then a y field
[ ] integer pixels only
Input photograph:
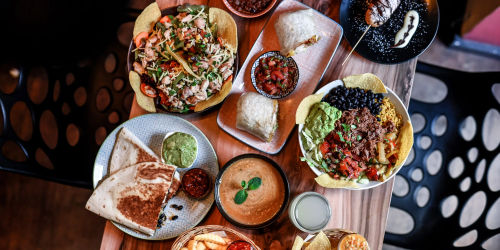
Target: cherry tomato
[
  {"x": 165, "y": 19},
  {"x": 148, "y": 90},
  {"x": 138, "y": 39}
]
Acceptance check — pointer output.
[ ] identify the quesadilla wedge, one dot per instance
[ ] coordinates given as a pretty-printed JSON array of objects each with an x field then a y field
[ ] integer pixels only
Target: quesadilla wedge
[
  {"x": 133, "y": 196},
  {"x": 186, "y": 61},
  {"x": 129, "y": 150}
]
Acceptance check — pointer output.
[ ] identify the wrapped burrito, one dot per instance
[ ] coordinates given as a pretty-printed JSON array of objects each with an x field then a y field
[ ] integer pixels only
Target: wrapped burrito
[
  {"x": 296, "y": 31},
  {"x": 257, "y": 115}
]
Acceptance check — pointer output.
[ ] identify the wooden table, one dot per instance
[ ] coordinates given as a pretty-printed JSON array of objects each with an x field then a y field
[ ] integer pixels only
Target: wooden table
[{"x": 364, "y": 212}]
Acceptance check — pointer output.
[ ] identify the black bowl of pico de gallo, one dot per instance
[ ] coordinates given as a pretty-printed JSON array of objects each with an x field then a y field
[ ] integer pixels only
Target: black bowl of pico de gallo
[{"x": 274, "y": 75}]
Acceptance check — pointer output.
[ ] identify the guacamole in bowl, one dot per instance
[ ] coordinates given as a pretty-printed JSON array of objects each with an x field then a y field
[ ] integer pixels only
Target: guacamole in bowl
[{"x": 179, "y": 149}]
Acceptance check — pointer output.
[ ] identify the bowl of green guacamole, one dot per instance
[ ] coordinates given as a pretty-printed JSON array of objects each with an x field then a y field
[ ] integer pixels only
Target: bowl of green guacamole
[{"x": 179, "y": 149}]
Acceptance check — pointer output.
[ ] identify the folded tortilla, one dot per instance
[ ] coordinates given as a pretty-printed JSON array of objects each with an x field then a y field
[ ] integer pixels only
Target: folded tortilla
[
  {"x": 296, "y": 31},
  {"x": 129, "y": 150},
  {"x": 133, "y": 196},
  {"x": 257, "y": 115}
]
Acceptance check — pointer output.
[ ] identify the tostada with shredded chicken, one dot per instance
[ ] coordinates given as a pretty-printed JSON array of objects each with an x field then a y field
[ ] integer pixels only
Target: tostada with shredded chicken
[
  {"x": 183, "y": 62},
  {"x": 356, "y": 134}
]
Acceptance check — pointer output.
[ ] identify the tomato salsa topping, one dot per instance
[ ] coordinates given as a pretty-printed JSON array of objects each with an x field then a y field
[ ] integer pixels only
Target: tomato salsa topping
[
  {"x": 196, "y": 183},
  {"x": 275, "y": 75},
  {"x": 240, "y": 245}
]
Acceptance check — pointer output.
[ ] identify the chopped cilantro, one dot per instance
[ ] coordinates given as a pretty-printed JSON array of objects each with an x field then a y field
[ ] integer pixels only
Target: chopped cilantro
[
  {"x": 340, "y": 136},
  {"x": 357, "y": 118},
  {"x": 353, "y": 126},
  {"x": 359, "y": 138},
  {"x": 346, "y": 127},
  {"x": 171, "y": 92}
]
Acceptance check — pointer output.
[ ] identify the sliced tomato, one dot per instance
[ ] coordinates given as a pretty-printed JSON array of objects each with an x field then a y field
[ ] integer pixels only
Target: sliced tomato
[
  {"x": 138, "y": 39},
  {"x": 165, "y": 19},
  {"x": 148, "y": 90},
  {"x": 163, "y": 98},
  {"x": 324, "y": 147},
  {"x": 229, "y": 79},
  {"x": 277, "y": 74},
  {"x": 169, "y": 65},
  {"x": 371, "y": 173}
]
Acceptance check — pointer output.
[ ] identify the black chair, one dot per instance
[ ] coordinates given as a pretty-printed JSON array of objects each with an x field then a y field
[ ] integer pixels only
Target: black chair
[
  {"x": 57, "y": 106},
  {"x": 462, "y": 173}
]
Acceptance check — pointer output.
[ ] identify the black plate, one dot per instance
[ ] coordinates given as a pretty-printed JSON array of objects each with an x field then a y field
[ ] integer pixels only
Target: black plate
[
  {"x": 130, "y": 60},
  {"x": 285, "y": 182},
  {"x": 375, "y": 46}
]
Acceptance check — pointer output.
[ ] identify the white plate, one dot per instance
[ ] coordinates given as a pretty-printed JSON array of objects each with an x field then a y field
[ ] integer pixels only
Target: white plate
[
  {"x": 151, "y": 130},
  {"x": 400, "y": 108}
]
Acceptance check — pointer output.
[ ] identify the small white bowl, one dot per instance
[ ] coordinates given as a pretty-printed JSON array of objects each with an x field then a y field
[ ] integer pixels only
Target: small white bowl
[
  {"x": 398, "y": 105},
  {"x": 170, "y": 134}
]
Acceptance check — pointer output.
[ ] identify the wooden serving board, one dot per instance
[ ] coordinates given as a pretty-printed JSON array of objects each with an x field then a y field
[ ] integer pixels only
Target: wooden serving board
[{"x": 312, "y": 64}]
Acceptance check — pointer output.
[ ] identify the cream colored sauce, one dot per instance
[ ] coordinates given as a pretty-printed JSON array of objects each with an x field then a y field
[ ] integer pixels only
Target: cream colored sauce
[
  {"x": 261, "y": 204},
  {"x": 405, "y": 34}
]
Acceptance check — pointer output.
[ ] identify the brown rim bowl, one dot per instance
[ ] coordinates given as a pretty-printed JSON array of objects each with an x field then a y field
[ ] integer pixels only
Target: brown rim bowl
[{"x": 249, "y": 15}]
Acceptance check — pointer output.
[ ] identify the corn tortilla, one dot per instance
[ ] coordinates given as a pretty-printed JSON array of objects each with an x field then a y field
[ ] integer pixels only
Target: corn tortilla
[
  {"x": 226, "y": 27},
  {"x": 298, "y": 243},
  {"x": 146, "y": 102},
  {"x": 305, "y": 106},
  {"x": 182, "y": 62},
  {"x": 325, "y": 180},
  {"x": 405, "y": 140},
  {"x": 147, "y": 19},
  {"x": 320, "y": 242},
  {"x": 365, "y": 81}
]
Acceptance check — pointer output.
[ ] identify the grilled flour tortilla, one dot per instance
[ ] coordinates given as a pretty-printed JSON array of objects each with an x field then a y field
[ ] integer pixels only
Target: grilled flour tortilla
[
  {"x": 129, "y": 150},
  {"x": 296, "y": 31},
  {"x": 178, "y": 98},
  {"x": 133, "y": 196}
]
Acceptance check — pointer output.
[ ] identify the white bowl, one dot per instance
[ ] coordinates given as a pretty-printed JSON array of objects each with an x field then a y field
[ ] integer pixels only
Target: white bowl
[{"x": 400, "y": 108}]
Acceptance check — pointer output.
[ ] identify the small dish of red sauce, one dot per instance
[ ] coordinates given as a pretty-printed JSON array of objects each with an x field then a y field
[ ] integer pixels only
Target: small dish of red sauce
[
  {"x": 273, "y": 75},
  {"x": 196, "y": 183},
  {"x": 239, "y": 245}
]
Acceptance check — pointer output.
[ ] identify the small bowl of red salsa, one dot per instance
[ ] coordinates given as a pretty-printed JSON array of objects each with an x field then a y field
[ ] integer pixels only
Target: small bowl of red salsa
[
  {"x": 274, "y": 75},
  {"x": 196, "y": 183},
  {"x": 249, "y": 8},
  {"x": 240, "y": 245}
]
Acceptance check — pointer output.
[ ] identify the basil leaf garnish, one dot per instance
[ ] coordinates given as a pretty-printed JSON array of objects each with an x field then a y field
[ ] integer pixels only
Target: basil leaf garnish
[
  {"x": 241, "y": 196},
  {"x": 254, "y": 183}
]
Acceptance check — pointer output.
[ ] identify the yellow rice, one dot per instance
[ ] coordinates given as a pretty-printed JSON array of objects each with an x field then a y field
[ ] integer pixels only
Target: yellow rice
[{"x": 388, "y": 113}]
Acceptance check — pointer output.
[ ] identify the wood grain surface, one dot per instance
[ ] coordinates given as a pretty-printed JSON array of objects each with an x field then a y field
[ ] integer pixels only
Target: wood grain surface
[{"x": 364, "y": 212}]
